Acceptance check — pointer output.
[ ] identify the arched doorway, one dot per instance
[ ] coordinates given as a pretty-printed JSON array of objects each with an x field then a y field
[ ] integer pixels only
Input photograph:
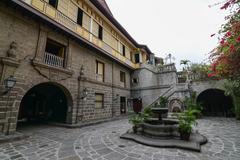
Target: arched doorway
[
  {"x": 215, "y": 103},
  {"x": 45, "y": 102}
]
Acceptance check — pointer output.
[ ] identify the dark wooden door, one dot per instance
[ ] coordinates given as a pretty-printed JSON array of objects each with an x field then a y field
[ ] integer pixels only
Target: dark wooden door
[{"x": 137, "y": 105}]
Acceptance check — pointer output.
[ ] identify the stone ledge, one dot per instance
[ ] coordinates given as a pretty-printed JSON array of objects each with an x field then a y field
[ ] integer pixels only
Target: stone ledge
[
  {"x": 194, "y": 144},
  {"x": 43, "y": 65},
  {"x": 10, "y": 61}
]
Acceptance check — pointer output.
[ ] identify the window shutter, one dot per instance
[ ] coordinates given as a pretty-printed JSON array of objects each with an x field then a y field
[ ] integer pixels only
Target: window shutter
[
  {"x": 106, "y": 37},
  {"x": 95, "y": 28},
  {"x": 100, "y": 68},
  {"x": 86, "y": 21},
  {"x": 72, "y": 11},
  {"x": 114, "y": 43},
  {"x": 63, "y": 6}
]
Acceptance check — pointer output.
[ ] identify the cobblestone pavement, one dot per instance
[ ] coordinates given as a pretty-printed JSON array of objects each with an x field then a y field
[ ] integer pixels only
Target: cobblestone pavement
[{"x": 101, "y": 142}]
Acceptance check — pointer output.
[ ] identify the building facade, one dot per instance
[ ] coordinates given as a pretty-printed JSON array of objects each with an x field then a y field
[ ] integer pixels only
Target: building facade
[{"x": 71, "y": 59}]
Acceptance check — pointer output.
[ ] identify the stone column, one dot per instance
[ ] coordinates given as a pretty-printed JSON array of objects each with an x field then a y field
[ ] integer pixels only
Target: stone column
[{"x": 8, "y": 113}]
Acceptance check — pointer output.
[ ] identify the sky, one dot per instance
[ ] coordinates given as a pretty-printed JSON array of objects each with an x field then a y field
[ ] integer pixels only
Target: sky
[{"x": 180, "y": 27}]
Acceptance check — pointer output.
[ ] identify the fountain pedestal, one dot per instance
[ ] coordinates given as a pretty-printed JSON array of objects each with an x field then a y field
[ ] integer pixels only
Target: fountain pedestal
[{"x": 159, "y": 112}]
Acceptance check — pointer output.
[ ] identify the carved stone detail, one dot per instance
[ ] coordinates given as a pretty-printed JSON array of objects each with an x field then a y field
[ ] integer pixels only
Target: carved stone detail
[
  {"x": 52, "y": 73},
  {"x": 12, "y": 51}
]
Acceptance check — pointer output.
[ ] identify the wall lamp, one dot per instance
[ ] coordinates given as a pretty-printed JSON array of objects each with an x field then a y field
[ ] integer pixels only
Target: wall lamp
[
  {"x": 9, "y": 84},
  {"x": 84, "y": 93}
]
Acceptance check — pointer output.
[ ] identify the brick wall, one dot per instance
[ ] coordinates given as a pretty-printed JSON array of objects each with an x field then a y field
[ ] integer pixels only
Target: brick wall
[{"x": 31, "y": 36}]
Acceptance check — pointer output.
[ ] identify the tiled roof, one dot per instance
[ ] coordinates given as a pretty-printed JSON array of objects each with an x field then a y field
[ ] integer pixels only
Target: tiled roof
[{"x": 105, "y": 6}]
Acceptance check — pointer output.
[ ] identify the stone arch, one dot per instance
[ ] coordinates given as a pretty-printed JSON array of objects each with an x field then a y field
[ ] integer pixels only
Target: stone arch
[
  {"x": 215, "y": 103},
  {"x": 50, "y": 95},
  {"x": 175, "y": 105},
  {"x": 201, "y": 86}
]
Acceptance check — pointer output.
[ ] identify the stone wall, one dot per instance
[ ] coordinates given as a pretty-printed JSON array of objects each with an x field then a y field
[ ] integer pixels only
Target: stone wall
[
  {"x": 31, "y": 36},
  {"x": 152, "y": 82}
]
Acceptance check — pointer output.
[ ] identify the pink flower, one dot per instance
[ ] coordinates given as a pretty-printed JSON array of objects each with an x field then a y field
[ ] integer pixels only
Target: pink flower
[
  {"x": 222, "y": 42},
  {"x": 238, "y": 39},
  {"x": 229, "y": 33},
  {"x": 232, "y": 47},
  {"x": 211, "y": 75}
]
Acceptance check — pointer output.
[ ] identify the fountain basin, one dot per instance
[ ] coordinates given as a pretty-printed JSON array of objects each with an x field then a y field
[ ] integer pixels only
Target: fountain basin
[
  {"x": 159, "y": 112},
  {"x": 159, "y": 131}
]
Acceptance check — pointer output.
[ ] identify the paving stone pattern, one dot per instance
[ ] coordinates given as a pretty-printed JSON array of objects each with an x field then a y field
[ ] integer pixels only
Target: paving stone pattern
[{"x": 102, "y": 142}]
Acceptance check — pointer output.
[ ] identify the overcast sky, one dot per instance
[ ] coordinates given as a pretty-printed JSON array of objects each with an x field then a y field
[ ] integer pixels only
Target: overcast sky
[{"x": 179, "y": 27}]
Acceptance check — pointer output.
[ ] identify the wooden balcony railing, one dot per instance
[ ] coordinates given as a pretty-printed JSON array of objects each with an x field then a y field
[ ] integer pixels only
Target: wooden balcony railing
[
  {"x": 53, "y": 60},
  {"x": 64, "y": 20}
]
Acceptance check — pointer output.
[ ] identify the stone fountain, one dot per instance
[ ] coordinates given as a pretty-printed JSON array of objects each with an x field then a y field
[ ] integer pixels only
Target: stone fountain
[{"x": 163, "y": 132}]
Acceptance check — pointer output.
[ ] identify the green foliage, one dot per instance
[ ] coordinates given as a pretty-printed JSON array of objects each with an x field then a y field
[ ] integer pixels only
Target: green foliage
[
  {"x": 147, "y": 112},
  {"x": 163, "y": 102},
  {"x": 232, "y": 87},
  {"x": 191, "y": 104},
  {"x": 237, "y": 106},
  {"x": 185, "y": 63},
  {"x": 136, "y": 119},
  {"x": 186, "y": 120}
]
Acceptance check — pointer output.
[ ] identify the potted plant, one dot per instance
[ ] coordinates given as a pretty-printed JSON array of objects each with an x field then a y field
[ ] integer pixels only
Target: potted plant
[
  {"x": 136, "y": 120},
  {"x": 186, "y": 121},
  {"x": 163, "y": 102},
  {"x": 191, "y": 104}
]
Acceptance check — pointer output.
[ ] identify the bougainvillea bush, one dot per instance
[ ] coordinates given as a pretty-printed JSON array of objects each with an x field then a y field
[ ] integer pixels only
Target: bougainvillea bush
[{"x": 226, "y": 57}]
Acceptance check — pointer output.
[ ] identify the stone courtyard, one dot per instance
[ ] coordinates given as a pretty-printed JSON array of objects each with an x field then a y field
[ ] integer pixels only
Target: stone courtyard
[{"x": 102, "y": 142}]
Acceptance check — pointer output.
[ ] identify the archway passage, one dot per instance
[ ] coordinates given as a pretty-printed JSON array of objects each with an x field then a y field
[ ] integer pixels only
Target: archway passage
[
  {"x": 44, "y": 102},
  {"x": 216, "y": 103}
]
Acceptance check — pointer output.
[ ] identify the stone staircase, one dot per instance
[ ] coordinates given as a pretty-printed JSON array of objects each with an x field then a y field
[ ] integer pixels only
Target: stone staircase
[{"x": 179, "y": 87}]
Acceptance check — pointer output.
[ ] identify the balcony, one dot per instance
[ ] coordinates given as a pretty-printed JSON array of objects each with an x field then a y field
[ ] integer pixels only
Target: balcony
[
  {"x": 53, "y": 60},
  {"x": 64, "y": 20}
]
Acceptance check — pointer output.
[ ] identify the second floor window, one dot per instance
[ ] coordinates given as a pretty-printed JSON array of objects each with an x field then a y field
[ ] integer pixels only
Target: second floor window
[
  {"x": 137, "y": 58},
  {"x": 122, "y": 77},
  {"x": 100, "y": 32},
  {"x": 100, "y": 71},
  {"x": 54, "y": 53},
  {"x": 53, "y": 3},
  {"x": 122, "y": 49},
  {"x": 80, "y": 17}
]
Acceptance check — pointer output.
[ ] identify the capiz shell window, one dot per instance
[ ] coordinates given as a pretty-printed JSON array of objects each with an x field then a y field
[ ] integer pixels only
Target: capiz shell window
[
  {"x": 99, "y": 100},
  {"x": 99, "y": 71}
]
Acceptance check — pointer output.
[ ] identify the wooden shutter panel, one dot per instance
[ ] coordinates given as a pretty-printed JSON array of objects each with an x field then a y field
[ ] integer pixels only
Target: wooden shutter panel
[
  {"x": 63, "y": 6},
  {"x": 86, "y": 21},
  {"x": 114, "y": 43},
  {"x": 95, "y": 28},
  {"x": 100, "y": 68},
  {"x": 106, "y": 37},
  {"x": 99, "y": 97},
  {"x": 72, "y": 11},
  {"x": 127, "y": 52}
]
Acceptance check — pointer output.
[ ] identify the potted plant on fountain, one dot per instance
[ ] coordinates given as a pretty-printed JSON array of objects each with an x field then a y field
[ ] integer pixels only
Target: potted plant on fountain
[
  {"x": 136, "y": 120},
  {"x": 186, "y": 121},
  {"x": 163, "y": 102},
  {"x": 139, "y": 118},
  {"x": 160, "y": 108}
]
